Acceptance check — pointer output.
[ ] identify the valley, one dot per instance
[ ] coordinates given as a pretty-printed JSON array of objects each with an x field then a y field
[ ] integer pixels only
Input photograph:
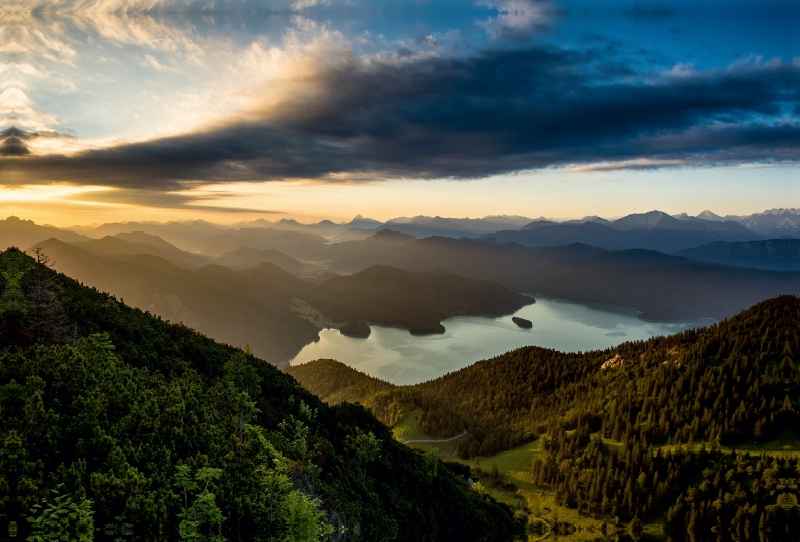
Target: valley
[
  {"x": 658, "y": 413},
  {"x": 608, "y": 427},
  {"x": 276, "y": 286}
]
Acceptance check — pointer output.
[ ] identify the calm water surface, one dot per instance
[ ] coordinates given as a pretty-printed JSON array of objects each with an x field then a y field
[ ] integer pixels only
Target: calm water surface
[{"x": 395, "y": 355}]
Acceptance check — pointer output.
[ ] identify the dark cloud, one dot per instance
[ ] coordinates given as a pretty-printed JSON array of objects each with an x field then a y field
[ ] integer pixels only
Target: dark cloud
[
  {"x": 184, "y": 199},
  {"x": 12, "y": 143},
  {"x": 496, "y": 112}
]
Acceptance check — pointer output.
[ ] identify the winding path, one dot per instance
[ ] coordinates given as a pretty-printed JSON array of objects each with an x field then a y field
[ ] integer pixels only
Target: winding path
[{"x": 435, "y": 440}]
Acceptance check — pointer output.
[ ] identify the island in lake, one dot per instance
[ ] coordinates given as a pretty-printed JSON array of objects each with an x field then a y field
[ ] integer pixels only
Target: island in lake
[
  {"x": 356, "y": 329},
  {"x": 522, "y": 322}
]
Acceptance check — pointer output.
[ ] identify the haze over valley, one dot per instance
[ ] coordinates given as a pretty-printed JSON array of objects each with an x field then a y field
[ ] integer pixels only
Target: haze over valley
[{"x": 276, "y": 285}]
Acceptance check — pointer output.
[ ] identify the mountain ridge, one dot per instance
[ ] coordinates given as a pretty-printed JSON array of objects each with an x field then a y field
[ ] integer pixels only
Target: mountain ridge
[
  {"x": 117, "y": 422},
  {"x": 774, "y": 254}
]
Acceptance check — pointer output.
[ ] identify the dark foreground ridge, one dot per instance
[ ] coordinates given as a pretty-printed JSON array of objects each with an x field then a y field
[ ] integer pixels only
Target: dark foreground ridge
[
  {"x": 117, "y": 425},
  {"x": 697, "y": 432}
]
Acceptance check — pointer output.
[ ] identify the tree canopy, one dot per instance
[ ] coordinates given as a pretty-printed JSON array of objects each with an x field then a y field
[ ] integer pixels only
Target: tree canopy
[{"x": 117, "y": 425}]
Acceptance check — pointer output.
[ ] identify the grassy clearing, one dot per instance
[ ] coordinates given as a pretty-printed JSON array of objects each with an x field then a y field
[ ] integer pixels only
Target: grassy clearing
[
  {"x": 408, "y": 428},
  {"x": 307, "y": 312},
  {"x": 514, "y": 466},
  {"x": 445, "y": 450}
]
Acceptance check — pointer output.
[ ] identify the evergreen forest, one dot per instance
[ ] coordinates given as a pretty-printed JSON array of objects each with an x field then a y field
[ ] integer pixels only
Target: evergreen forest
[
  {"x": 695, "y": 432},
  {"x": 116, "y": 425}
]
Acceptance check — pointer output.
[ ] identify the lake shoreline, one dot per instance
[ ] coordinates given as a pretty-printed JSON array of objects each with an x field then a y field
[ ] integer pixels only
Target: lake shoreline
[{"x": 395, "y": 355}]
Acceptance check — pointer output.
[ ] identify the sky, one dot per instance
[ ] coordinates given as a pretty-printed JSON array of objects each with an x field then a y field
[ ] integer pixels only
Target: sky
[{"x": 238, "y": 109}]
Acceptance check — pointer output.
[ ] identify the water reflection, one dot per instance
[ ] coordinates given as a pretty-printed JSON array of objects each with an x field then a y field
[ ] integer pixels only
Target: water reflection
[{"x": 394, "y": 355}]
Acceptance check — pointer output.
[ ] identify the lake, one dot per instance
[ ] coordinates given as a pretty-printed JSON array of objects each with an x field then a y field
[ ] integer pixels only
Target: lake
[{"x": 394, "y": 355}]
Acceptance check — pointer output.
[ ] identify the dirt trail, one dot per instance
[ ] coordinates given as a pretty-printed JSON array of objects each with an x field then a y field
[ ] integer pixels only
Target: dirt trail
[{"x": 435, "y": 440}]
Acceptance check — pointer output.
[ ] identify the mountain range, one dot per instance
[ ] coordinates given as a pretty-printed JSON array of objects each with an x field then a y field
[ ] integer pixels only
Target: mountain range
[
  {"x": 694, "y": 433},
  {"x": 193, "y": 236},
  {"x": 275, "y": 289},
  {"x": 271, "y": 309},
  {"x": 652, "y": 231},
  {"x": 776, "y": 254}
]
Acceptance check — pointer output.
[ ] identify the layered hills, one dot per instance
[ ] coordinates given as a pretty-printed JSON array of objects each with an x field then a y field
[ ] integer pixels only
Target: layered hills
[
  {"x": 660, "y": 286},
  {"x": 120, "y": 425},
  {"x": 777, "y": 254},
  {"x": 24, "y": 233},
  {"x": 418, "y": 301},
  {"x": 134, "y": 262},
  {"x": 652, "y": 231},
  {"x": 247, "y": 257},
  {"x": 690, "y": 430},
  {"x": 270, "y": 309},
  {"x": 426, "y": 226},
  {"x": 135, "y": 243},
  {"x": 213, "y": 299}
]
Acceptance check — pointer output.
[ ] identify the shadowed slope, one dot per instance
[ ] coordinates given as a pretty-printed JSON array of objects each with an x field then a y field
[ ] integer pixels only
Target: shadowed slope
[{"x": 135, "y": 422}]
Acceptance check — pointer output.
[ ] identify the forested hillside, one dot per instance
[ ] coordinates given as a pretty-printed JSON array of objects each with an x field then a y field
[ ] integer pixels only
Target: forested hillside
[
  {"x": 117, "y": 425},
  {"x": 645, "y": 430},
  {"x": 661, "y": 287},
  {"x": 418, "y": 301},
  {"x": 274, "y": 311},
  {"x": 778, "y": 254}
]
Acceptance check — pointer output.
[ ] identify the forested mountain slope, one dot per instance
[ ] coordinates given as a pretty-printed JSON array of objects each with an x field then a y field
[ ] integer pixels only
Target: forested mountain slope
[
  {"x": 662, "y": 287},
  {"x": 642, "y": 430},
  {"x": 122, "y": 426},
  {"x": 133, "y": 244},
  {"x": 524, "y": 390},
  {"x": 777, "y": 254},
  {"x": 213, "y": 299},
  {"x": 418, "y": 301},
  {"x": 264, "y": 305}
]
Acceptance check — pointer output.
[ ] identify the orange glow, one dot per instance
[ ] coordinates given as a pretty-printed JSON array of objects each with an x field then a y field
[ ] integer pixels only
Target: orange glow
[{"x": 554, "y": 193}]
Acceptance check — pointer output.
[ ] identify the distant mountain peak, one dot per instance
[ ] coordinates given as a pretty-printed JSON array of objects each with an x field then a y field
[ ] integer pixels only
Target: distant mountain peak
[
  {"x": 708, "y": 215},
  {"x": 648, "y": 219},
  {"x": 782, "y": 211},
  {"x": 360, "y": 221},
  {"x": 596, "y": 219},
  {"x": 774, "y": 222},
  {"x": 388, "y": 233}
]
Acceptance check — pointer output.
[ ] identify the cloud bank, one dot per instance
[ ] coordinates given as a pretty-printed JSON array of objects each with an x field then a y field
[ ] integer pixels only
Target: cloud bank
[
  {"x": 317, "y": 107},
  {"x": 462, "y": 117}
]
